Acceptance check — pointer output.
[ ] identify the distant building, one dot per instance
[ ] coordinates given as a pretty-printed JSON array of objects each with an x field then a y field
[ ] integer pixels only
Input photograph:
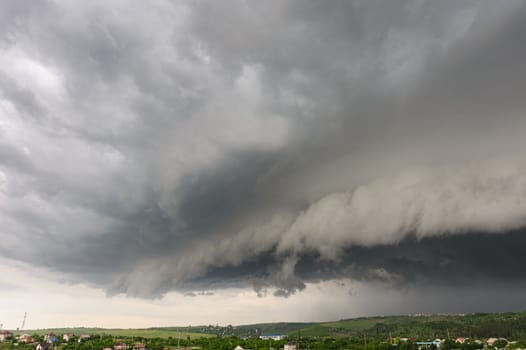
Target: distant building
[
  {"x": 4, "y": 335},
  {"x": 461, "y": 340},
  {"x": 491, "y": 341},
  {"x": 26, "y": 338},
  {"x": 43, "y": 346},
  {"x": 83, "y": 337},
  {"x": 426, "y": 344},
  {"x": 120, "y": 346},
  {"x": 272, "y": 336},
  {"x": 68, "y": 336},
  {"x": 139, "y": 346},
  {"x": 51, "y": 338},
  {"x": 289, "y": 346}
]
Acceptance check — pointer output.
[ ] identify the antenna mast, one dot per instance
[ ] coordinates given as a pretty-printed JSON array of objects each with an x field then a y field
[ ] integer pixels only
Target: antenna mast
[{"x": 23, "y": 322}]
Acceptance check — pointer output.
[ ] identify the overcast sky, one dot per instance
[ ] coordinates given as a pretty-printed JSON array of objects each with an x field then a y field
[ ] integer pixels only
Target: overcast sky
[{"x": 203, "y": 162}]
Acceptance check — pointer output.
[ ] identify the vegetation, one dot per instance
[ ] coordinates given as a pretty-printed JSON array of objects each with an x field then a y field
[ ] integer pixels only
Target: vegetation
[
  {"x": 117, "y": 332},
  {"x": 372, "y": 333},
  {"x": 505, "y": 325}
]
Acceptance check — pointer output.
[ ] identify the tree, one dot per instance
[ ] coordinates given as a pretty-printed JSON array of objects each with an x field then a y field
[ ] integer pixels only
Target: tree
[
  {"x": 501, "y": 343},
  {"x": 448, "y": 345}
]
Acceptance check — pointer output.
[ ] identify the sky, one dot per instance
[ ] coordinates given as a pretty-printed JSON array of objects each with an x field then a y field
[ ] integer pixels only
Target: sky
[{"x": 174, "y": 163}]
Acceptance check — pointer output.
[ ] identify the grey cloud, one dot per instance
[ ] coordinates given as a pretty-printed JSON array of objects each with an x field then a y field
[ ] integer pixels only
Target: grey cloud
[
  {"x": 20, "y": 97},
  {"x": 457, "y": 261},
  {"x": 5, "y": 286},
  {"x": 194, "y": 294},
  {"x": 199, "y": 145}
]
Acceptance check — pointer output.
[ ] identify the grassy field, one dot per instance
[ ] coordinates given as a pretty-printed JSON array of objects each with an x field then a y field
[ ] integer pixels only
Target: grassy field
[
  {"x": 508, "y": 325},
  {"x": 145, "y": 333}
]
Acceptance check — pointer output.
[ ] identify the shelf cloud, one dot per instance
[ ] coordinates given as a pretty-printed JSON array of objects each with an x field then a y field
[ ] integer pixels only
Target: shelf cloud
[{"x": 191, "y": 146}]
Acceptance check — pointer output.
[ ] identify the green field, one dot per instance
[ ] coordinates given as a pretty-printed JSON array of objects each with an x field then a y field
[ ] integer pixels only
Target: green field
[
  {"x": 118, "y": 332},
  {"x": 481, "y": 325}
]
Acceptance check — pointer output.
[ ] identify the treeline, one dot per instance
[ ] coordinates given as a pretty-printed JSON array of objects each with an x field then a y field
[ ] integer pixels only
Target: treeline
[
  {"x": 476, "y": 326},
  {"x": 99, "y": 342}
]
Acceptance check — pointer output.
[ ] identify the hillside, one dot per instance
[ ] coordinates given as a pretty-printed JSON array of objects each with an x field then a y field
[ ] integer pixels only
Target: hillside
[
  {"x": 510, "y": 325},
  {"x": 481, "y": 325}
]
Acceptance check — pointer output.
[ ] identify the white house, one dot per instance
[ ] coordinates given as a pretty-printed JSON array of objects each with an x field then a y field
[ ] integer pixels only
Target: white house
[
  {"x": 289, "y": 346},
  {"x": 272, "y": 336},
  {"x": 4, "y": 335},
  {"x": 84, "y": 337},
  {"x": 43, "y": 346}
]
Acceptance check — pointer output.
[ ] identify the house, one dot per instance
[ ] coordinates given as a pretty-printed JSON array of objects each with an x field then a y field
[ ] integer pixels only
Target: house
[
  {"x": 289, "y": 346},
  {"x": 238, "y": 348},
  {"x": 83, "y": 337},
  {"x": 26, "y": 338},
  {"x": 491, "y": 341},
  {"x": 120, "y": 346},
  {"x": 51, "y": 338},
  {"x": 272, "y": 336},
  {"x": 43, "y": 346},
  {"x": 461, "y": 340},
  {"x": 68, "y": 336},
  {"x": 139, "y": 346},
  {"x": 4, "y": 335},
  {"x": 427, "y": 344}
]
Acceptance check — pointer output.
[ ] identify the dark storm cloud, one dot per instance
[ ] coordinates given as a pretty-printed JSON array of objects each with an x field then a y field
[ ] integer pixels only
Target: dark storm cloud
[
  {"x": 191, "y": 146},
  {"x": 453, "y": 261}
]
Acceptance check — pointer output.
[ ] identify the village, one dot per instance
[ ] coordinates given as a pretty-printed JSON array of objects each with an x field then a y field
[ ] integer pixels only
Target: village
[{"x": 9, "y": 340}]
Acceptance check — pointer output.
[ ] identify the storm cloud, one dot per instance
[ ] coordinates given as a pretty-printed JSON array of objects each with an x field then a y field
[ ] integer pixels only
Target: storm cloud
[{"x": 191, "y": 146}]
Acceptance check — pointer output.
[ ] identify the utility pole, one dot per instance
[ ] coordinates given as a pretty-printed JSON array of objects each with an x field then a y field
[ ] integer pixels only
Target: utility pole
[{"x": 298, "y": 348}]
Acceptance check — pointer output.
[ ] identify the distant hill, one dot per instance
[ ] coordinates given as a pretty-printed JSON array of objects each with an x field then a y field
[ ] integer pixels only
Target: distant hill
[
  {"x": 481, "y": 325},
  {"x": 510, "y": 325}
]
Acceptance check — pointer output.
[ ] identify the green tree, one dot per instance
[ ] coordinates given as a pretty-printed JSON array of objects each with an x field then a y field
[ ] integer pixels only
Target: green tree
[{"x": 501, "y": 343}]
